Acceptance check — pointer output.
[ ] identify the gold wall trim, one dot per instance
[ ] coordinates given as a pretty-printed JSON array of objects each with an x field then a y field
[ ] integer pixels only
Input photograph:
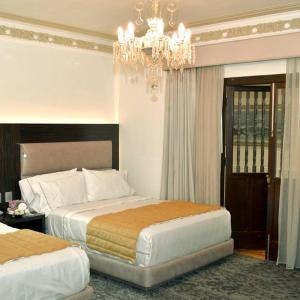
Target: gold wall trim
[
  {"x": 249, "y": 14},
  {"x": 248, "y": 31},
  {"x": 56, "y": 25},
  {"x": 52, "y": 39}
]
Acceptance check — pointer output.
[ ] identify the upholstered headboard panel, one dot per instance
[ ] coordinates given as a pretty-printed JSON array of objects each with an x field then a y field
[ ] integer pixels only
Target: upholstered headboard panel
[
  {"x": 41, "y": 158},
  {"x": 39, "y": 161}
]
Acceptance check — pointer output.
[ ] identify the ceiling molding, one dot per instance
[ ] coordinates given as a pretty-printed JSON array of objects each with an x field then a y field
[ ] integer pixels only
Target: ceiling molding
[
  {"x": 247, "y": 31},
  {"x": 47, "y": 38},
  {"x": 53, "y": 25},
  {"x": 249, "y": 14}
]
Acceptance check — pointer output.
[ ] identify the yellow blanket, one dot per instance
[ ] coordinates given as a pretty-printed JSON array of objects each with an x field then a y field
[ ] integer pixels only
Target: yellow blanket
[
  {"x": 25, "y": 243},
  {"x": 117, "y": 233}
]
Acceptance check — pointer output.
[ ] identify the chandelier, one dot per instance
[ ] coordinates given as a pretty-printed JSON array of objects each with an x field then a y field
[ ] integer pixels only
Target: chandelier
[{"x": 155, "y": 50}]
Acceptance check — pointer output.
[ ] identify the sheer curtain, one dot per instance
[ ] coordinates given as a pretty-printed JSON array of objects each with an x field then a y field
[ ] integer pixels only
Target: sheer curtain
[
  {"x": 289, "y": 207},
  {"x": 178, "y": 154},
  {"x": 210, "y": 82},
  {"x": 192, "y": 135}
]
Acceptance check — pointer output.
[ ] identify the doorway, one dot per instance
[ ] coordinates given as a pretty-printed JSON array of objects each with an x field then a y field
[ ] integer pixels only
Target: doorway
[{"x": 253, "y": 118}]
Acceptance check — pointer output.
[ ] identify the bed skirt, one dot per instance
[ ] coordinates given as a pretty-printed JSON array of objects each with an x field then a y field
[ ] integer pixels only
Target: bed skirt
[{"x": 149, "y": 277}]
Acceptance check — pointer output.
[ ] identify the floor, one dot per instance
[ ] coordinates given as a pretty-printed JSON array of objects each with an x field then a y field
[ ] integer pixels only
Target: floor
[
  {"x": 234, "y": 278},
  {"x": 259, "y": 254}
]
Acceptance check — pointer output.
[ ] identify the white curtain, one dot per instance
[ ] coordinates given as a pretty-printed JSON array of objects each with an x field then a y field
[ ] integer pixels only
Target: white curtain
[
  {"x": 192, "y": 134},
  {"x": 178, "y": 154},
  {"x": 289, "y": 207},
  {"x": 210, "y": 82}
]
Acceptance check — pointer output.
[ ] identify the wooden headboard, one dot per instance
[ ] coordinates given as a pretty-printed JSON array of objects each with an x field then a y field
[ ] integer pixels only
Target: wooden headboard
[{"x": 12, "y": 135}]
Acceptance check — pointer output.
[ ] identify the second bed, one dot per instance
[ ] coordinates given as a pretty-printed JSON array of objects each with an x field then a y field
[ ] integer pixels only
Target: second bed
[{"x": 158, "y": 244}]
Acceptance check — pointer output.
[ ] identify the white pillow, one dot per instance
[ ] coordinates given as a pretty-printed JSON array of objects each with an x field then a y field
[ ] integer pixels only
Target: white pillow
[
  {"x": 26, "y": 186},
  {"x": 108, "y": 184},
  {"x": 60, "y": 192}
]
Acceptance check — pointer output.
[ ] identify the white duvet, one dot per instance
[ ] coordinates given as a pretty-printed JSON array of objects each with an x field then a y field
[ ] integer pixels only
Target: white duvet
[
  {"x": 48, "y": 276},
  {"x": 157, "y": 243}
]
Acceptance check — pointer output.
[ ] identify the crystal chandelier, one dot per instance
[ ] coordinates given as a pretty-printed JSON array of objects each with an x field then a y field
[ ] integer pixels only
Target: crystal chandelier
[{"x": 155, "y": 50}]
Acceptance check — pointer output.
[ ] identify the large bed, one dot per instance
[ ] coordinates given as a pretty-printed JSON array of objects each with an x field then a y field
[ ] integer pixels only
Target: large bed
[
  {"x": 62, "y": 274},
  {"x": 157, "y": 243},
  {"x": 163, "y": 251}
]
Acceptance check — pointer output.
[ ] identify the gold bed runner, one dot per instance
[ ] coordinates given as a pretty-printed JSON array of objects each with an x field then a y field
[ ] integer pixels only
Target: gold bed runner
[
  {"x": 25, "y": 243},
  {"x": 117, "y": 233}
]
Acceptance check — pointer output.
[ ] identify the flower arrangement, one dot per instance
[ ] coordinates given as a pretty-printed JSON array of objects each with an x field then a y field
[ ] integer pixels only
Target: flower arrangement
[{"x": 17, "y": 208}]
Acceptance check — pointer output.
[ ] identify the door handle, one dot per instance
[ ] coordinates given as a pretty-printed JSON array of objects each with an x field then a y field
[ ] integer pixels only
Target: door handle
[{"x": 268, "y": 178}]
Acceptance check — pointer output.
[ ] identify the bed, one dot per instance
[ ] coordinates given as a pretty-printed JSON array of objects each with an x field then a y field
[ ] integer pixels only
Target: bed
[
  {"x": 62, "y": 274},
  {"x": 164, "y": 251},
  {"x": 154, "y": 242}
]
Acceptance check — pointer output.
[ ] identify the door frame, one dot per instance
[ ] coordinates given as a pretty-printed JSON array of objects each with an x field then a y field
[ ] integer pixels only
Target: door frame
[
  {"x": 272, "y": 207},
  {"x": 273, "y": 188},
  {"x": 264, "y": 79}
]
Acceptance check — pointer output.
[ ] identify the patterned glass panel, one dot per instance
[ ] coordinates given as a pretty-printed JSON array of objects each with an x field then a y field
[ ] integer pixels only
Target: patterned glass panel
[
  {"x": 250, "y": 131},
  {"x": 279, "y": 127}
]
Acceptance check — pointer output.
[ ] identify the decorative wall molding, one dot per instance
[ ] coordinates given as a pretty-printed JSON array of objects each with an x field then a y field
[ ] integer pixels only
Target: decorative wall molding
[
  {"x": 48, "y": 38},
  {"x": 283, "y": 23},
  {"x": 55, "y": 26},
  {"x": 251, "y": 28}
]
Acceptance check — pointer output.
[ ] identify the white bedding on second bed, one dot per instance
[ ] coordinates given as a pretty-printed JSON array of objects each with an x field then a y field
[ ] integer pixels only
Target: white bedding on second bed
[
  {"x": 157, "y": 243},
  {"x": 54, "y": 275}
]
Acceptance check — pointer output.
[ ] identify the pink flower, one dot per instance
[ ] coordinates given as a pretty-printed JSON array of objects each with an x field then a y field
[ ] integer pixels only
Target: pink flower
[{"x": 12, "y": 203}]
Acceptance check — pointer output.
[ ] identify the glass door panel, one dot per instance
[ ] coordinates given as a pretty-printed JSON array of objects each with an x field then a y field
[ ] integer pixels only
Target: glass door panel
[
  {"x": 250, "y": 136},
  {"x": 279, "y": 127}
]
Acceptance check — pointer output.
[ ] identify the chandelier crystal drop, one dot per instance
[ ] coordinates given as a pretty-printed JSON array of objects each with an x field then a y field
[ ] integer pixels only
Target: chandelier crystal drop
[{"x": 155, "y": 50}]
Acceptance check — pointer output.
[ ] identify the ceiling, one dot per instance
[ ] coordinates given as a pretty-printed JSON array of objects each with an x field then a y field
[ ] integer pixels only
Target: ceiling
[{"x": 102, "y": 17}]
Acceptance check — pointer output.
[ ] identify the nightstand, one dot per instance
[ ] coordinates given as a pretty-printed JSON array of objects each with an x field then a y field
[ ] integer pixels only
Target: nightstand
[{"x": 34, "y": 222}]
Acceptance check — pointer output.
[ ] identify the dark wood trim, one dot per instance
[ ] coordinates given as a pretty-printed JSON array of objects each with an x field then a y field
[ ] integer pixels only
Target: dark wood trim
[
  {"x": 273, "y": 250},
  {"x": 223, "y": 159},
  {"x": 229, "y": 133},
  {"x": 13, "y": 134},
  {"x": 266, "y": 79},
  {"x": 249, "y": 240}
]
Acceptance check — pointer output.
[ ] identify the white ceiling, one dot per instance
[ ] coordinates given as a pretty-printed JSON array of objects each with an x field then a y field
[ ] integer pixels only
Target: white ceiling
[{"x": 104, "y": 16}]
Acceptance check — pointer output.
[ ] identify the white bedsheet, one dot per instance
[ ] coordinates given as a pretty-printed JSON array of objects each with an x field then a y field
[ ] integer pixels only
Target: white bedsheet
[
  {"x": 48, "y": 276},
  {"x": 157, "y": 243}
]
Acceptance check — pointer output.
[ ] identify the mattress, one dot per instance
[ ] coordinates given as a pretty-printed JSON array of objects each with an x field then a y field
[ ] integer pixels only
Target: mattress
[
  {"x": 157, "y": 243},
  {"x": 53, "y": 275}
]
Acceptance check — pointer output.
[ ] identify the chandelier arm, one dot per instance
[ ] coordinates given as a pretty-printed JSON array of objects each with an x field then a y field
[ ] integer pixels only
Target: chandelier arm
[{"x": 139, "y": 7}]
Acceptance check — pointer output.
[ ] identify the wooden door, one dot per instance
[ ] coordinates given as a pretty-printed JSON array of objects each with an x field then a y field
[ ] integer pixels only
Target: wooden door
[
  {"x": 247, "y": 143},
  {"x": 253, "y": 128}
]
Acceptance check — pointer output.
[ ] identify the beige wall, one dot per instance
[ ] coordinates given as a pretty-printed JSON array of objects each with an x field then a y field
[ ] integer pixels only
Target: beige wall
[
  {"x": 255, "y": 68},
  {"x": 249, "y": 50},
  {"x": 141, "y": 136},
  {"x": 49, "y": 84}
]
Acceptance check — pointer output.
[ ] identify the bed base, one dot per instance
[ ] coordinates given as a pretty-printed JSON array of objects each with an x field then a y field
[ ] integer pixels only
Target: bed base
[
  {"x": 151, "y": 277},
  {"x": 87, "y": 294}
]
